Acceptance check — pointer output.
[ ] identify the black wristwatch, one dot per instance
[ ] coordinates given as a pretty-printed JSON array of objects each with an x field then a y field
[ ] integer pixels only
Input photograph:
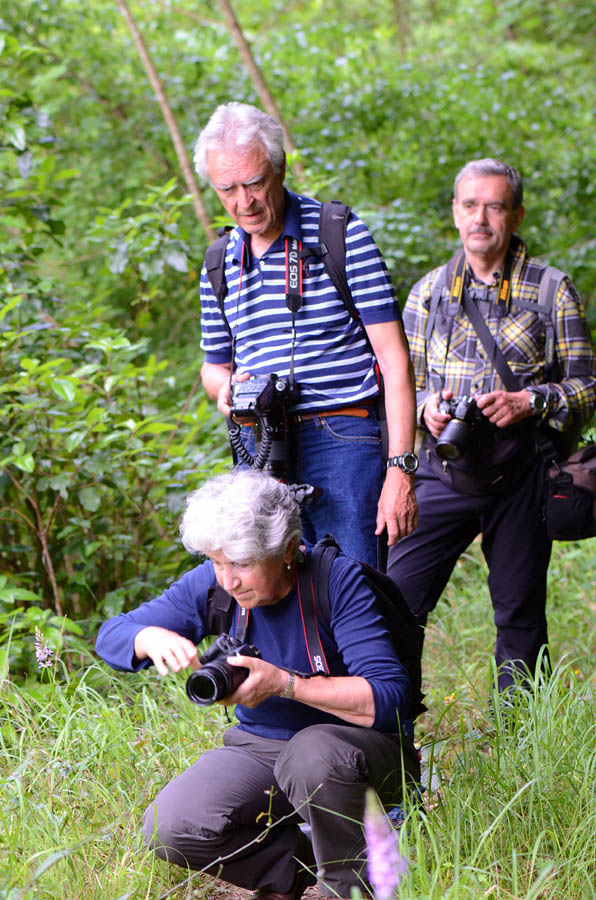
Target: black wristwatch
[
  {"x": 407, "y": 462},
  {"x": 537, "y": 401}
]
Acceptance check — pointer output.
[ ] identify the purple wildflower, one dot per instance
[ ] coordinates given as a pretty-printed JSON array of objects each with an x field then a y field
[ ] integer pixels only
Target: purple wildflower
[
  {"x": 385, "y": 864},
  {"x": 43, "y": 652}
]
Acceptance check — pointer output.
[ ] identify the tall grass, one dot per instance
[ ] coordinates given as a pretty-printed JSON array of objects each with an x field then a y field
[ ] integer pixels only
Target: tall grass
[{"x": 510, "y": 811}]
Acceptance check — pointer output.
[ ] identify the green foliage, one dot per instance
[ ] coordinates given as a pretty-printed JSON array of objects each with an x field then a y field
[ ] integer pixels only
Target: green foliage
[
  {"x": 103, "y": 430},
  {"x": 385, "y": 101},
  {"x": 100, "y": 440}
]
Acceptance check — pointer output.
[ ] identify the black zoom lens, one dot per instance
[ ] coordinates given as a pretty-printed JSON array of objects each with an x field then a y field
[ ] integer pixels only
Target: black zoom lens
[
  {"x": 213, "y": 682},
  {"x": 454, "y": 440}
]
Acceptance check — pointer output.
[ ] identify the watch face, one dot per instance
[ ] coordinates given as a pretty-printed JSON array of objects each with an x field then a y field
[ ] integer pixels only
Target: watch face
[
  {"x": 409, "y": 463},
  {"x": 537, "y": 402}
]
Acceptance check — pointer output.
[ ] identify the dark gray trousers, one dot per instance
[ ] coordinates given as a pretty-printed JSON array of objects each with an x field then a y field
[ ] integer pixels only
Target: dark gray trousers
[
  {"x": 516, "y": 548},
  {"x": 236, "y": 811}
]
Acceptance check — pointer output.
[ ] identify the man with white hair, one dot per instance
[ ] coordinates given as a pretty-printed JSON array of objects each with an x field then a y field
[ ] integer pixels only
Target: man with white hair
[
  {"x": 293, "y": 323},
  {"x": 493, "y": 364}
]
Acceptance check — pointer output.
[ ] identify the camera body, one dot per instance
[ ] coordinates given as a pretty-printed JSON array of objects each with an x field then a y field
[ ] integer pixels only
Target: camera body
[
  {"x": 263, "y": 401},
  {"x": 460, "y": 433},
  {"x": 217, "y": 678},
  {"x": 261, "y": 395}
]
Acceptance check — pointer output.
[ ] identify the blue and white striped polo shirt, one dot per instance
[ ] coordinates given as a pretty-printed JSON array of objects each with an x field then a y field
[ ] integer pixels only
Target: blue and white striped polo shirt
[{"x": 332, "y": 362}]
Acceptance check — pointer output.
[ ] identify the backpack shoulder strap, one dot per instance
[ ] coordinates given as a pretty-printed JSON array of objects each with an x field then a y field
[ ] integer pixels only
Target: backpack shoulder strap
[
  {"x": 333, "y": 224},
  {"x": 219, "y": 610},
  {"x": 322, "y": 558},
  {"x": 215, "y": 264},
  {"x": 444, "y": 278},
  {"x": 313, "y": 595},
  {"x": 550, "y": 282},
  {"x": 435, "y": 298}
]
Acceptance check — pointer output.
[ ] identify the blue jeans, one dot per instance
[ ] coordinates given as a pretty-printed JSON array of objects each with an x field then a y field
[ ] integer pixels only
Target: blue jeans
[{"x": 342, "y": 455}]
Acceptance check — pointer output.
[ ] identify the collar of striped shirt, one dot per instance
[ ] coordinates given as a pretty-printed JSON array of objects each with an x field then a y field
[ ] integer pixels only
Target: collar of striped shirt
[{"x": 292, "y": 228}]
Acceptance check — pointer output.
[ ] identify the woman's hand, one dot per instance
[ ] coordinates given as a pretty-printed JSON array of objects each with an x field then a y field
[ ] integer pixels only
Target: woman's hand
[
  {"x": 169, "y": 651},
  {"x": 264, "y": 680},
  {"x": 348, "y": 697}
]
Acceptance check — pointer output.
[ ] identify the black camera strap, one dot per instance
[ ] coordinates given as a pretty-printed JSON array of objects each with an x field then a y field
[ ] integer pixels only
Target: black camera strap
[
  {"x": 235, "y": 334},
  {"x": 459, "y": 298},
  {"x": 308, "y": 615},
  {"x": 494, "y": 353},
  {"x": 457, "y": 289},
  {"x": 242, "y": 625},
  {"x": 293, "y": 293},
  {"x": 293, "y": 274},
  {"x": 293, "y": 290}
]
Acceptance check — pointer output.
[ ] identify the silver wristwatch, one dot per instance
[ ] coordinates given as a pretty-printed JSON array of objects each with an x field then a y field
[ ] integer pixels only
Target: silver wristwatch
[
  {"x": 407, "y": 462},
  {"x": 537, "y": 401},
  {"x": 288, "y": 691}
]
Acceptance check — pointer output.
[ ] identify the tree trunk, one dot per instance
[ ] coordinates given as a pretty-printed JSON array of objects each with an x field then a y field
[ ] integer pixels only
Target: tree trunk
[
  {"x": 402, "y": 24},
  {"x": 259, "y": 82},
  {"x": 168, "y": 115}
]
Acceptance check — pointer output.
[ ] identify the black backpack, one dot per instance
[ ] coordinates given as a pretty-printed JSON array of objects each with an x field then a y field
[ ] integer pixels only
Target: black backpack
[
  {"x": 406, "y": 633},
  {"x": 313, "y": 586}
]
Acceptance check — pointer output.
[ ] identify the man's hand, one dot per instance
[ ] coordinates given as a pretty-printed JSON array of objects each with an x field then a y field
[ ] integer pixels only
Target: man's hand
[
  {"x": 436, "y": 421},
  {"x": 224, "y": 396},
  {"x": 169, "y": 652},
  {"x": 504, "y": 407},
  {"x": 397, "y": 509},
  {"x": 264, "y": 680},
  {"x": 216, "y": 381}
]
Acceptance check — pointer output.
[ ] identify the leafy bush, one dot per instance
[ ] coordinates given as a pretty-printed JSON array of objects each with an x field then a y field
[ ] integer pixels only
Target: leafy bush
[{"x": 100, "y": 440}]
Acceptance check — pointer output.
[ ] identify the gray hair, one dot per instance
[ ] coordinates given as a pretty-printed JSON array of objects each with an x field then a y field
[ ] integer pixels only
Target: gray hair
[
  {"x": 239, "y": 125},
  {"x": 246, "y": 514},
  {"x": 489, "y": 166}
]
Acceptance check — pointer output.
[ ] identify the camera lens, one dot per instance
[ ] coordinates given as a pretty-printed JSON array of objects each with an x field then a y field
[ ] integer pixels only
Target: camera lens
[
  {"x": 208, "y": 685},
  {"x": 454, "y": 440}
]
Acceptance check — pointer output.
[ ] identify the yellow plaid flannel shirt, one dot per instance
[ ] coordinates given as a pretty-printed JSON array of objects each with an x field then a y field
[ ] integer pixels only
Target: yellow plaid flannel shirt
[{"x": 457, "y": 360}]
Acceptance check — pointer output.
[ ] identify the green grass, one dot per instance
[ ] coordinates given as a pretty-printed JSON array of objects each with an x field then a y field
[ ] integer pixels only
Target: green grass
[{"x": 511, "y": 812}]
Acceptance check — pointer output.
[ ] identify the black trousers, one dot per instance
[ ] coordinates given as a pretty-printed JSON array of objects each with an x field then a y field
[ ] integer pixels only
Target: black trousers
[
  {"x": 515, "y": 546},
  {"x": 236, "y": 811}
]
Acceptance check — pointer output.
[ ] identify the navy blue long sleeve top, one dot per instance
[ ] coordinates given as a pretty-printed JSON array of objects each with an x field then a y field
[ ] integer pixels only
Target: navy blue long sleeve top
[{"x": 357, "y": 644}]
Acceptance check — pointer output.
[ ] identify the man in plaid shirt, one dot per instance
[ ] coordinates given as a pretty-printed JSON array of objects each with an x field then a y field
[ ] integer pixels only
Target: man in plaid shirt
[{"x": 496, "y": 487}]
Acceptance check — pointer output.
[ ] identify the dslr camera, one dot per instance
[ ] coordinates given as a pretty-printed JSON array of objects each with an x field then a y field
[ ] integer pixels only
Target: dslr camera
[
  {"x": 261, "y": 396},
  {"x": 263, "y": 401},
  {"x": 217, "y": 678},
  {"x": 460, "y": 433}
]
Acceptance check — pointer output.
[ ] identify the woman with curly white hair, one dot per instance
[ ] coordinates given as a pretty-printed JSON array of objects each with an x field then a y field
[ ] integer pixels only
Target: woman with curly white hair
[{"x": 305, "y": 748}]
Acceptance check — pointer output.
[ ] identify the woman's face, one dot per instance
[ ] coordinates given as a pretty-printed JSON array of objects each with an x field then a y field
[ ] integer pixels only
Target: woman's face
[{"x": 254, "y": 584}]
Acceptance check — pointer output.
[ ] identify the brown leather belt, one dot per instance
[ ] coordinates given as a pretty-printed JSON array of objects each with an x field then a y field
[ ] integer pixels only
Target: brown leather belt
[{"x": 360, "y": 412}]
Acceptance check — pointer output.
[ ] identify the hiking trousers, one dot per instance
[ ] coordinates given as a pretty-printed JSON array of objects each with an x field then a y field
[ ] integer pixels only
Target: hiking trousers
[
  {"x": 514, "y": 543},
  {"x": 235, "y": 813}
]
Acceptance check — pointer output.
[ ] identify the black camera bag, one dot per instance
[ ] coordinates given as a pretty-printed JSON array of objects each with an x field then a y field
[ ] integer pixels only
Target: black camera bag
[
  {"x": 488, "y": 469},
  {"x": 570, "y": 505}
]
